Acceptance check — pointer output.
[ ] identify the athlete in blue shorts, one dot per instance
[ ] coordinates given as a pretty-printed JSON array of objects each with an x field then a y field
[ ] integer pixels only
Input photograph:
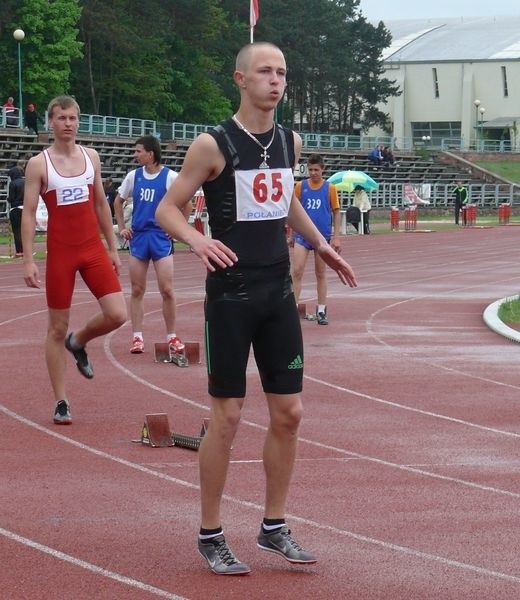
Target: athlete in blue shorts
[
  {"x": 147, "y": 241},
  {"x": 319, "y": 199}
]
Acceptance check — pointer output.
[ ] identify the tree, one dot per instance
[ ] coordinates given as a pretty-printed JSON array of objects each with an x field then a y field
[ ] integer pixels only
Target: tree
[
  {"x": 49, "y": 47},
  {"x": 172, "y": 60},
  {"x": 335, "y": 69}
]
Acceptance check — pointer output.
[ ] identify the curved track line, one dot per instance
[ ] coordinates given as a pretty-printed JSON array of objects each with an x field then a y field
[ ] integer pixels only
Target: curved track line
[
  {"x": 316, "y": 444},
  {"x": 425, "y": 361},
  {"x": 420, "y": 411},
  {"x": 257, "y": 507},
  {"x": 89, "y": 566}
]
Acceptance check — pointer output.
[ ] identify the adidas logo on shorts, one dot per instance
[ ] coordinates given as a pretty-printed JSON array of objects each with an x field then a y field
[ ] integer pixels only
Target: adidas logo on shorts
[{"x": 297, "y": 363}]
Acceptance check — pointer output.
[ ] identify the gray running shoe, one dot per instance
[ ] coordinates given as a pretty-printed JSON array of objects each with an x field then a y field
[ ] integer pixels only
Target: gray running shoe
[
  {"x": 82, "y": 361},
  {"x": 220, "y": 558},
  {"x": 280, "y": 542},
  {"x": 321, "y": 318},
  {"x": 62, "y": 414}
]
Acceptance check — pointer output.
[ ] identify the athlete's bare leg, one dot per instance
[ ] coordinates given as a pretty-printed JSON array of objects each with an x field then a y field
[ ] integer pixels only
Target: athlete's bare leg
[
  {"x": 214, "y": 455},
  {"x": 299, "y": 259},
  {"x": 280, "y": 445},
  {"x": 164, "y": 272}
]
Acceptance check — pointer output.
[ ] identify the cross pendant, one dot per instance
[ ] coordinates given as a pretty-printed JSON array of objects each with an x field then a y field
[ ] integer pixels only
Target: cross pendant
[{"x": 265, "y": 156}]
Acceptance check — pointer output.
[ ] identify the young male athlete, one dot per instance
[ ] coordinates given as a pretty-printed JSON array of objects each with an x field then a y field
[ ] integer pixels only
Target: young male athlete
[
  {"x": 147, "y": 241},
  {"x": 319, "y": 199},
  {"x": 245, "y": 167},
  {"x": 68, "y": 177}
]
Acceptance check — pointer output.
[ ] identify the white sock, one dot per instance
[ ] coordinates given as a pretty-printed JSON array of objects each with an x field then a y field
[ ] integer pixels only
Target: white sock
[
  {"x": 321, "y": 308},
  {"x": 170, "y": 336},
  {"x": 138, "y": 334}
]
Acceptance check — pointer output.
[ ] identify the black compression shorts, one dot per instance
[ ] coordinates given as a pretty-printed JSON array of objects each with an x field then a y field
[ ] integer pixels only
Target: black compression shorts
[{"x": 252, "y": 307}]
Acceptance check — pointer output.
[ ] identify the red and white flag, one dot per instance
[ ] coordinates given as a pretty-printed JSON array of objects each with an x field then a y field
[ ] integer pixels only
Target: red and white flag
[{"x": 254, "y": 13}]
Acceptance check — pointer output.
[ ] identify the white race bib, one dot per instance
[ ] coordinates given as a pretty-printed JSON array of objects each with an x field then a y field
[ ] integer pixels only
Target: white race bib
[
  {"x": 72, "y": 195},
  {"x": 263, "y": 194}
]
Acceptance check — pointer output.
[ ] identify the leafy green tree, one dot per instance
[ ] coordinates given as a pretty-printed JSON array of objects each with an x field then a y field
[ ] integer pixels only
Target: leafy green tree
[
  {"x": 172, "y": 60},
  {"x": 123, "y": 71},
  {"x": 49, "y": 46},
  {"x": 335, "y": 76}
]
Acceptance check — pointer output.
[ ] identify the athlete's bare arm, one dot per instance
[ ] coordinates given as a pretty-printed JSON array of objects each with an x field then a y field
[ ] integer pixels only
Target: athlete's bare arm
[
  {"x": 203, "y": 162},
  {"x": 35, "y": 174}
]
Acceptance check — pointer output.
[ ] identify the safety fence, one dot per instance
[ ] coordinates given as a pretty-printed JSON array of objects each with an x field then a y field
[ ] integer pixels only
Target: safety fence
[
  {"x": 105, "y": 125},
  {"x": 388, "y": 195}
]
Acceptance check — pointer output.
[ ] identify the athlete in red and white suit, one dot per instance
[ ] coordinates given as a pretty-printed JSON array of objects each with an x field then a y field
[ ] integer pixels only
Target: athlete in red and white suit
[{"x": 68, "y": 177}]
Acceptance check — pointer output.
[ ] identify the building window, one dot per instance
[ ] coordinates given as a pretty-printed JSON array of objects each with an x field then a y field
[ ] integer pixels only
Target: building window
[
  {"x": 436, "y": 131},
  {"x": 504, "y": 82},
  {"x": 435, "y": 83}
]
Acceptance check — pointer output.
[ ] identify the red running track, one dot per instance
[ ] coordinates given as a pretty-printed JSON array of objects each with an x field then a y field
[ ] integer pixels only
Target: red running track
[{"x": 407, "y": 484}]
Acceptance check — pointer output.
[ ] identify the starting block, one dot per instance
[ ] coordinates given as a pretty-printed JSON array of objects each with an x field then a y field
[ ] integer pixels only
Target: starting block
[
  {"x": 302, "y": 311},
  {"x": 162, "y": 354},
  {"x": 192, "y": 352},
  {"x": 156, "y": 433}
]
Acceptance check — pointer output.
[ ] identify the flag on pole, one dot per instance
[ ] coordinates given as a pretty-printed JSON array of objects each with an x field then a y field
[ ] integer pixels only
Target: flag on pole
[{"x": 254, "y": 13}]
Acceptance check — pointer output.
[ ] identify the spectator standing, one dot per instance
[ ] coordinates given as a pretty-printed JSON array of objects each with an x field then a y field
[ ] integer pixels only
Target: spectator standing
[
  {"x": 31, "y": 119},
  {"x": 15, "y": 200},
  {"x": 245, "y": 166},
  {"x": 10, "y": 112},
  {"x": 319, "y": 199},
  {"x": 68, "y": 177},
  {"x": 460, "y": 194},
  {"x": 147, "y": 241},
  {"x": 362, "y": 201}
]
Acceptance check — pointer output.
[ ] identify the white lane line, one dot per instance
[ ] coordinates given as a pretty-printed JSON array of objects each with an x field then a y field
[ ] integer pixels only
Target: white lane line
[
  {"x": 420, "y": 411},
  {"x": 328, "y": 447},
  {"x": 251, "y": 505},
  {"x": 89, "y": 566}
]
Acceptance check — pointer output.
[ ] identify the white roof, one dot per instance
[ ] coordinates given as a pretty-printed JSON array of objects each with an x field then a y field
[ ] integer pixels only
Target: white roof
[{"x": 464, "y": 39}]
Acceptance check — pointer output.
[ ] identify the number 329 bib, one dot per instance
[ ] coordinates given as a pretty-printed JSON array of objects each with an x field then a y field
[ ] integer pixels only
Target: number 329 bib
[{"x": 263, "y": 194}]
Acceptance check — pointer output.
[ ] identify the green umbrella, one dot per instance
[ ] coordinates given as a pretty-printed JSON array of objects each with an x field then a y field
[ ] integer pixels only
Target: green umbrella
[{"x": 346, "y": 181}]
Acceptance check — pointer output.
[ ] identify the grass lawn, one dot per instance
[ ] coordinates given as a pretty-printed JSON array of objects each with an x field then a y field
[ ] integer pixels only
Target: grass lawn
[
  {"x": 508, "y": 169},
  {"x": 509, "y": 311}
]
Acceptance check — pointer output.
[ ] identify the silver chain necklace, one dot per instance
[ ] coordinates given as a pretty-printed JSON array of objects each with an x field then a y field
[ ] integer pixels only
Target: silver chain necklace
[{"x": 264, "y": 155}]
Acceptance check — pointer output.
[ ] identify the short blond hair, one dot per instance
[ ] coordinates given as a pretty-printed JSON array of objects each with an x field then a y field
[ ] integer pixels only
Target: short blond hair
[
  {"x": 244, "y": 54},
  {"x": 63, "y": 102}
]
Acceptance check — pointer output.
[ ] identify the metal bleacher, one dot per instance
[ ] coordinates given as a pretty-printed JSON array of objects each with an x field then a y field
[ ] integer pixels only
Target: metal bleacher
[{"x": 117, "y": 158}]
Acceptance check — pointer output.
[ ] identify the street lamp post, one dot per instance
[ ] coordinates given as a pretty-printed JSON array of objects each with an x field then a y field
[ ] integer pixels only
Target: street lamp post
[
  {"x": 481, "y": 110},
  {"x": 476, "y": 103},
  {"x": 19, "y": 35}
]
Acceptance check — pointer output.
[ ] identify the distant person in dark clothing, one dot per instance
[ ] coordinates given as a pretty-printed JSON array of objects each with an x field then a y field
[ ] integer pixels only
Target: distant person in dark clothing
[
  {"x": 31, "y": 118},
  {"x": 110, "y": 193},
  {"x": 388, "y": 156},
  {"x": 460, "y": 194},
  {"x": 15, "y": 199}
]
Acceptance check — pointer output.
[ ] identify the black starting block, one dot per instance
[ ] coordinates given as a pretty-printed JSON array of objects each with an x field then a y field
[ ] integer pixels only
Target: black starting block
[{"x": 156, "y": 433}]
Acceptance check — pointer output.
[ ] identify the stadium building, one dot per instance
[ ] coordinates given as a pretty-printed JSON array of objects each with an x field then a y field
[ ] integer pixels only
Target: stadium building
[{"x": 460, "y": 83}]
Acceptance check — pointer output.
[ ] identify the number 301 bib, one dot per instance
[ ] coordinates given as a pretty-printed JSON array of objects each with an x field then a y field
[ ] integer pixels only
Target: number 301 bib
[{"x": 263, "y": 194}]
